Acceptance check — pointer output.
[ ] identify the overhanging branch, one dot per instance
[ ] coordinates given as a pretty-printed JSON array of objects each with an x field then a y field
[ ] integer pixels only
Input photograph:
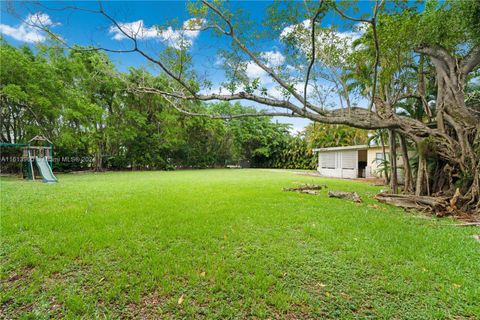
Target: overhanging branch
[
  {"x": 471, "y": 61},
  {"x": 436, "y": 51},
  {"x": 312, "y": 59}
]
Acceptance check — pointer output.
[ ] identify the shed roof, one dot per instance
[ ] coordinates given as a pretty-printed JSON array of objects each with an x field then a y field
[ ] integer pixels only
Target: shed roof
[
  {"x": 8, "y": 144},
  {"x": 357, "y": 147},
  {"x": 40, "y": 138}
]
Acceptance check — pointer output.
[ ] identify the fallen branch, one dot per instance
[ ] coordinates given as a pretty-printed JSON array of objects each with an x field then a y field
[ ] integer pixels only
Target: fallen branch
[
  {"x": 440, "y": 206},
  {"x": 466, "y": 224},
  {"x": 306, "y": 188},
  {"x": 345, "y": 195}
]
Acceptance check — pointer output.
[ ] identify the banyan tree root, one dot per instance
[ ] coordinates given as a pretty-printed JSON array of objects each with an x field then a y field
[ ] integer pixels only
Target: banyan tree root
[
  {"x": 345, "y": 195},
  {"x": 440, "y": 206},
  {"x": 306, "y": 188}
]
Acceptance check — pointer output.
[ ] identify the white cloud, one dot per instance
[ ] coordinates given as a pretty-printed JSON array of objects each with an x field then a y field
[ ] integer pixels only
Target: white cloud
[
  {"x": 294, "y": 28},
  {"x": 253, "y": 71},
  {"x": 273, "y": 58},
  {"x": 26, "y": 31},
  {"x": 40, "y": 19},
  {"x": 192, "y": 27},
  {"x": 219, "y": 60},
  {"x": 361, "y": 27},
  {"x": 135, "y": 29},
  {"x": 176, "y": 38},
  {"x": 216, "y": 88},
  {"x": 301, "y": 34},
  {"x": 300, "y": 87},
  {"x": 275, "y": 91}
]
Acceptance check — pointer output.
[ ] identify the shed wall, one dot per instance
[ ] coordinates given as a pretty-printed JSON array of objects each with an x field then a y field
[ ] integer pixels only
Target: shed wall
[{"x": 344, "y": 165}]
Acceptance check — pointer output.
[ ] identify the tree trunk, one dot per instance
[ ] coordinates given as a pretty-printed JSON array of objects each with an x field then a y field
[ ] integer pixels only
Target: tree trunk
[
  {"x": 98, "y": 161},
  {"x": 422, "y": 88},
  {"x": 407, "y": 171},
  {"x": 421, "y": 172},
  {"x": 457, "y": 146},
  {"x": 382, "y": 141},
  {"x": 393, "y": 161}
]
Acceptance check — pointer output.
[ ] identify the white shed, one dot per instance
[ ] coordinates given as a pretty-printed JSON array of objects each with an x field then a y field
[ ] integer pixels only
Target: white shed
[
  {"x": 343, "y": 162},
  {"x": 350, "y": 162}
]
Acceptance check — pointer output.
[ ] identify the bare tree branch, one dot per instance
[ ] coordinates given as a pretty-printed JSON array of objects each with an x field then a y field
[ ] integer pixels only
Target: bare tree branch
[
  {"x": 471, "y": 61},
  {"x": 373, "y": 23},
  {"x": 229, "y": 116},
  {"x": 257, "y": 61},
  {"x": 349, "y": 17},
  {"x": 356, "y": 117},
  {"x": 312, "y": 60},
  {"x": 230, "y": 97},
  {"x": 359, "y": 117}
]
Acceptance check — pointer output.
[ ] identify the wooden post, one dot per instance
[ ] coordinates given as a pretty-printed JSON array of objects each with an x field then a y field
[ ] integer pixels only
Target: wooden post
[
  {"x": 31, "y": 165},
  {"x": 50, "y": 151}
]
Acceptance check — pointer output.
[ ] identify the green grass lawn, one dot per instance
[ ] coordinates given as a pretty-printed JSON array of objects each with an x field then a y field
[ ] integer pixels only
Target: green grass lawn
[{"x": 225, "y": 244}]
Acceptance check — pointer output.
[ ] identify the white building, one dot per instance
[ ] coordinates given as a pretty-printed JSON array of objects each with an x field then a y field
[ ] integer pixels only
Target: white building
[{"x": 351, "y": 162}]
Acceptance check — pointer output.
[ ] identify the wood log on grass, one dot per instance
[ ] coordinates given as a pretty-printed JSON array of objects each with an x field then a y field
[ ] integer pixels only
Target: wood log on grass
[
  {"x": 345, "y": 195},
  {"x": 440, "y": 206},
  {"x": 306, "y": 188}
]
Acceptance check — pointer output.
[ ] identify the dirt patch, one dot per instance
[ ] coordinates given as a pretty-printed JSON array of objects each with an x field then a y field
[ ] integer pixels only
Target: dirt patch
[
  {"x": 373, "y": 181},
  {"x": 378, "y": 182},
  {"x": 8, "y": 313},
  {"x": 17, "y": 276},
  {"x": 295, "y": 312},
  {"x": 365, "y": 310},
  {"x": 55, "y": 306},
  {"x": 317, "y": 288},
  {"x": 149, "y": 307}
]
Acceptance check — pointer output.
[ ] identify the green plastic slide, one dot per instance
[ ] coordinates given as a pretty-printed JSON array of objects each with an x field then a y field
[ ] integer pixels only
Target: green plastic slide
[{"x": 45, "y": 170}]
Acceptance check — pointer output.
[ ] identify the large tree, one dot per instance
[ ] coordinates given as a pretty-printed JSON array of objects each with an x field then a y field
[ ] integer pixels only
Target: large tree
[{"x": 400, "y": 49}]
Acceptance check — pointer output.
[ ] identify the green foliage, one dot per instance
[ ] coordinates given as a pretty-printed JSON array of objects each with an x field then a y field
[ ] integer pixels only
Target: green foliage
[
  {"x": 320, "y": 135},
  {"x": 293, "y": 153},
  {"x": 95, "y": 116},
  {"x": 383, "y": 167},
  {"x": 449, "y": 23},
  {"x": 82, "y": 103}
]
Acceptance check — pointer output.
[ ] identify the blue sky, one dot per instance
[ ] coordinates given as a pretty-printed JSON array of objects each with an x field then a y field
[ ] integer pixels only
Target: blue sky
[{"x": 87, "y": 28}]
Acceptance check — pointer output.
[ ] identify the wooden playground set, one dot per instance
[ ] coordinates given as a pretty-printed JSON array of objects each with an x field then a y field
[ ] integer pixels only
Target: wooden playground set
[{"x": 38, "y": 151}]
